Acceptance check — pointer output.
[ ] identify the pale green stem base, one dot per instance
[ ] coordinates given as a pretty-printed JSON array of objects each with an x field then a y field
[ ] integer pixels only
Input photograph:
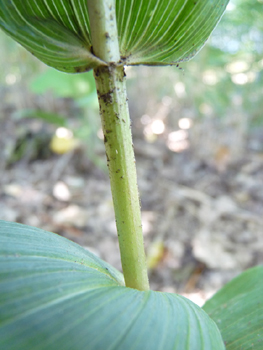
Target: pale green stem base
[{"x": 111, "y": 88}]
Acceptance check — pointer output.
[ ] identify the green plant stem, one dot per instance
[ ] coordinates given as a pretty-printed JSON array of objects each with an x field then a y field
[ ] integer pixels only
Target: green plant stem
[
  {"x": 104, "y": 35},
  {"x": 120, "y": 158},
  {"x": 111, "y": 89}
]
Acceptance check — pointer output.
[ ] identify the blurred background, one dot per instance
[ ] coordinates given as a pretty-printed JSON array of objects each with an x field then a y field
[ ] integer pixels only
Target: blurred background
[{"x": 198, "y": 137}]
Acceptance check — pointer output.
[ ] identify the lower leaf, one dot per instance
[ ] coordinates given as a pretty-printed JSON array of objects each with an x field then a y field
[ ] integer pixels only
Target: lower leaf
[
  {"x": 237, "y": 309},
  {"x": 56, "y": 295}
]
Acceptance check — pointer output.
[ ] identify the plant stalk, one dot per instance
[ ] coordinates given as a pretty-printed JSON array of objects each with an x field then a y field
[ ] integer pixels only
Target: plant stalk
[{"x": 111, "y": 90}]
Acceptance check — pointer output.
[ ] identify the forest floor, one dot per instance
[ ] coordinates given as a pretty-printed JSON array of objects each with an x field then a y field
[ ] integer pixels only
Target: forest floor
[{"x": 202, "y": 214}]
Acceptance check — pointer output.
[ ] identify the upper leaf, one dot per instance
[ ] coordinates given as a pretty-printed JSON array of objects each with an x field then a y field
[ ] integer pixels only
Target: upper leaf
[
  {"x": 157, "y": 32},
  {"x": 56, "y": 295},
  {"x": 56, "y": 32},
  {"x": 238, "y": 311},
  {"x": 151, "y": 32}
]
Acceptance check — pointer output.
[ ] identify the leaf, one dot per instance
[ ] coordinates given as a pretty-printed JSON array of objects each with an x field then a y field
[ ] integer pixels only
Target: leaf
[
  {"x": 165, "y": 32},
  {"x": 56, "y": 32},
  {"x": 150, "y": 32},
  {"x": 238, "y": 311},
  {"x": 64, "y": 85},
  {"x": 52, "y": 118},
  {"x": 56, "y": 295}
]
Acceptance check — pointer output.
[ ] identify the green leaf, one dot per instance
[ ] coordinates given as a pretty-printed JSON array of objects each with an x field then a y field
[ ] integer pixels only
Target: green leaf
[
  {"x": 165, "y": 32},
  {"x": 238, "y": 311},
  {"x": 52, "y": 118},
  {"x": 56, "y": 295},
  {"x": 64, "y": 85},
  {"x": 150, "y": 32},
  {"x": 56, "y": 32}
]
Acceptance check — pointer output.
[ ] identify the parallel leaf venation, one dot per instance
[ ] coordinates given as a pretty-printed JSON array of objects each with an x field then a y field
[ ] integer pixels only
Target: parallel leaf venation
[
  {"x": 57, "y": 32},
  {"x": 150, "y": 32}
]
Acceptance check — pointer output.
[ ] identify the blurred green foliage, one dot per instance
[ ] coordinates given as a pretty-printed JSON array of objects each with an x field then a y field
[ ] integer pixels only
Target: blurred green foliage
[
  {"x": 52, "y": 118},
  {"x": 227, "y": 74},
  {"x": 21, "y": 71},
  {"x": 65, "y": 85},
  {"x": 80, "y": 88}
]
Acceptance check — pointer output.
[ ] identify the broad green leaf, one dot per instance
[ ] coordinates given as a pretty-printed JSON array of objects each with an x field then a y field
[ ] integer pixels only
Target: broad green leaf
[
  {"x": 157, "y": 32},
  {"x": 56, "y": 295},
  {"x": 56, "y": 32},
  {"x": 238, "y": 311},
  {"x": 151, "y": 32}
]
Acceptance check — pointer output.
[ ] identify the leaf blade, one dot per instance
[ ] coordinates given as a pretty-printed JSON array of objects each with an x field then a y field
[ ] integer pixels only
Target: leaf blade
[
  {"x": 56, "y": 295},
  {"x": 162, "y": 33},
  {"x": 53, "y": 31},
  {"x": 150, "y": 32},
  {"x": 238, "y": 310}
]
